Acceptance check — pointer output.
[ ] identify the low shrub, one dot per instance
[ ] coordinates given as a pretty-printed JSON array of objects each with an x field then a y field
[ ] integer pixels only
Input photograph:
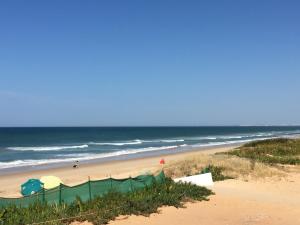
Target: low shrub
[
  {"x": 272, "y": 151},
  {"x": 216, "y": 172}
]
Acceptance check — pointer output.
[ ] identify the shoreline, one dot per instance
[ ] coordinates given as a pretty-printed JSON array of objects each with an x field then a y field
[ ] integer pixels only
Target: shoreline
[
  {"x": 38, "y": 156},
  {"x": 137, "y": 156},
  {"x": 10, "y": 182}
]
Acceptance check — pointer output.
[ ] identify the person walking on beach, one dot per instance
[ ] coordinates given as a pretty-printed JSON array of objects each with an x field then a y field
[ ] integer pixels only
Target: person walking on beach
[{"x": 76, "y": 164}]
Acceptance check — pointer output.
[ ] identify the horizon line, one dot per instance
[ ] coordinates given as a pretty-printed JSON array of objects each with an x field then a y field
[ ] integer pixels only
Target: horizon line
[{"x": 137, "y": 126}]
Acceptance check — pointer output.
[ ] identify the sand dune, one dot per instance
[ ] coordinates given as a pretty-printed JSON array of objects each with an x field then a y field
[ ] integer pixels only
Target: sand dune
[{"x": 235, "y": 203}]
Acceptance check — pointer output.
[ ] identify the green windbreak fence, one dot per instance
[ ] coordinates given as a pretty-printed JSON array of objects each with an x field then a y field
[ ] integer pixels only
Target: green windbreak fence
[{"x": 86, "y": 191}]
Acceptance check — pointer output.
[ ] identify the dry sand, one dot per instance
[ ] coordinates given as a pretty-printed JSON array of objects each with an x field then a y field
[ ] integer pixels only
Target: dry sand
[
  {"x": 256, "y": 202},
  {"x": 235, "y": 203}
]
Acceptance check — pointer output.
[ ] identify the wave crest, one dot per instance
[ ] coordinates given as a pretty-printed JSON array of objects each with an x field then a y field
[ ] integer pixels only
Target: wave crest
[
  {"x": 135, "y": 142},
  {"x": 46, "y": 148}
]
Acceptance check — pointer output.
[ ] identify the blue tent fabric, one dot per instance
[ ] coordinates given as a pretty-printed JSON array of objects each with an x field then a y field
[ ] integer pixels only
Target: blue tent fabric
[{"x": 31, "y": 186}]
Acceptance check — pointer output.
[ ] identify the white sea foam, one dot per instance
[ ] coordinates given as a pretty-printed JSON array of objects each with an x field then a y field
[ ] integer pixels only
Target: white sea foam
[
  {"x": 226, "y": 137},
  {"x": 21, "y": 163},
  {"x": 80, "y": 156},
  {"x": 172, "y": 140},
  {"x": 209, "y": 138},
  {"x": 135, "y": 142},
  {"x": 154, "y": 148},
  {"x": 249, "y": 137},
  {"x": 227, "y": 142},
  {"x": 231, "y": 137},
  {"x": 202, "y": 138},
  {"x": 46, "y": 148}
]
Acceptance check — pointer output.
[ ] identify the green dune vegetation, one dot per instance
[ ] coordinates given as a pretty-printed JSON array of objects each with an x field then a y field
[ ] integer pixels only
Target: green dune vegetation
[
  {"x": 255, "y": 160},
  {"x": 272, "y": 151},
  {"x": 103, "y": 209}
]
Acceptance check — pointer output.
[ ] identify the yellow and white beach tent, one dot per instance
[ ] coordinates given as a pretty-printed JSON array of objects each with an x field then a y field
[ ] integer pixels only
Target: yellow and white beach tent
[{"x": 50, "y": 181}]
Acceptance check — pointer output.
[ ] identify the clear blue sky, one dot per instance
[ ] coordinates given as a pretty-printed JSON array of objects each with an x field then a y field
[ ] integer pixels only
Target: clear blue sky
[{"x": 149, "y": 62}]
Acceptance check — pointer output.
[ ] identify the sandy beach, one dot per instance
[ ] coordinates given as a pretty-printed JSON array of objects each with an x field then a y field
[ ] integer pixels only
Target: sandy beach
[
  {"x": 236, "y": 202},
  {"x": 10, "y": 183}
]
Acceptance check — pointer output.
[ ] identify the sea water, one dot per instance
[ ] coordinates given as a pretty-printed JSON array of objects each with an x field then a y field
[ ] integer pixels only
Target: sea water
[{"x": 36, "y": 147}]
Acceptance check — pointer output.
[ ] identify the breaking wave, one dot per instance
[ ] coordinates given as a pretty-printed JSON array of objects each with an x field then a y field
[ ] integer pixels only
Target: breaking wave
[
  {"x": 80, "y": 157},
  {"x": 46, "y": 148},
  {"x": 135, "y": 142}
]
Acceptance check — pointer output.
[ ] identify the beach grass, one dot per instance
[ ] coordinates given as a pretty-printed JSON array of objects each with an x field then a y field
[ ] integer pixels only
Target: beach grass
[
  {"x": 271, "y": 151},
  {"x": 104, "y": 209},
  {"x": 224, "y": 166}
]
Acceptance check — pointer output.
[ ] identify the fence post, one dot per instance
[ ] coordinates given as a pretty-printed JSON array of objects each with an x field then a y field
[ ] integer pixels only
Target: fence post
[
  {"x": 111, "y": 187},
  {"x": 130, "y": 179},
  {"x": 44, "y": 200},
  {"x": 164, "y": 176},
  {"x": 90, "y": 191},
  {"x": 60, "y": 194}
]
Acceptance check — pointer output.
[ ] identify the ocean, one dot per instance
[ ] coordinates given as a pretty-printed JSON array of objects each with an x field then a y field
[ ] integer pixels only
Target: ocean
[{"x": 46, "y": 146}]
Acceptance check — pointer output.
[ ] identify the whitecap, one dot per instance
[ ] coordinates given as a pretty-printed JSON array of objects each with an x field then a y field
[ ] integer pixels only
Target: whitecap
[
  {"x": 172, "y": 140},
  {"x": 46, "y": 148},
  {"x": 135, "y": 142}
]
